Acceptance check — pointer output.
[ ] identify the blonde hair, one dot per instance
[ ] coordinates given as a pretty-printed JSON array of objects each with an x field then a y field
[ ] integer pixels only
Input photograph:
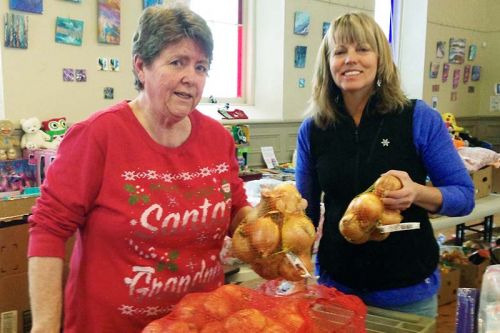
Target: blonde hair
[{"x": 326, "y": 96}]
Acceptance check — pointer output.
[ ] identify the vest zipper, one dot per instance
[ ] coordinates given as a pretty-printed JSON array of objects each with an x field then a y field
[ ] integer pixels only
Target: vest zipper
[{"x": 356, "y": 172}]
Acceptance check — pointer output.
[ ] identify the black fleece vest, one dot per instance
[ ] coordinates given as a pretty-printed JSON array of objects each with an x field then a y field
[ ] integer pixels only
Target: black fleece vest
[{"x": 348, "y": 159}]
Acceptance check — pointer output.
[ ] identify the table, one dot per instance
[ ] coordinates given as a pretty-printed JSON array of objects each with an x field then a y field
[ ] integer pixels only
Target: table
[{"x": 485, "y": 209}]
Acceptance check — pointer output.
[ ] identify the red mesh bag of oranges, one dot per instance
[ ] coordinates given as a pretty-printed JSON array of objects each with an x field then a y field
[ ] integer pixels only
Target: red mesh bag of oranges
[{"x": 237, "y": 309}]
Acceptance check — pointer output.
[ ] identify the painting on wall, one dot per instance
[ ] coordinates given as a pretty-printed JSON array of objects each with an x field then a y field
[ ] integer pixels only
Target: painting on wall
[
  {"x": 149, "y": 3},
  {"x": 326, "y": 26},
  {"x": 69, "y": 31},
  {"x": 457, "y": 51},
  {"x": 16, "y": 31},
  {"x": 301, "y": 23},
  {"x": 440, "y": 49},
  {"x": 472, "y": 52},
  {"x": 476, "y": 73},
  {"x": 434, "y": 70},
  {"x": 76, "y": 1},
  {"x": 300, "y": 56},
  {"x": 31, "y": 6},
  {"x": 109, "y": 93},
  {"x": 80, "y": 75},
  {"x": 466, "y": 73},
  {"x": 68, "y": 74},
  {"x": 108, "y": 21},
  {"x": 456, "y": 78},
  {"x": 446, "y": 71}
]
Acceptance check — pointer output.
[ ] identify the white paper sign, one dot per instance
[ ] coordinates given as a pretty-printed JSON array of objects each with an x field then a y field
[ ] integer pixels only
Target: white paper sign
[
  {"x": 494, "y": 103},
  {"x": 269, "y": 157}
]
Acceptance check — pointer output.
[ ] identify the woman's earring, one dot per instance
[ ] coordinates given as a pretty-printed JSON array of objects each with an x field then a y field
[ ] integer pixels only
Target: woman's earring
[{"x": 379, "y": 83}]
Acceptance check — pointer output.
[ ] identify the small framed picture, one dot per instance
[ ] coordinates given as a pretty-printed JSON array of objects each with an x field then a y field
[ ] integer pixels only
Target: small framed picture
[{"x": 497, "y": 89}]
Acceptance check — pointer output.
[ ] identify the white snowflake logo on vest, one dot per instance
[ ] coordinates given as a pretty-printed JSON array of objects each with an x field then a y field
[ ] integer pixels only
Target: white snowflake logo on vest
[{"x": 385, "y": 142}]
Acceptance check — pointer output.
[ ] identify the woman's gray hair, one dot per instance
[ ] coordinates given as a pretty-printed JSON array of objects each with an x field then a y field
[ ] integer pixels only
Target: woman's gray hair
[{"x": 161, "y": 26}]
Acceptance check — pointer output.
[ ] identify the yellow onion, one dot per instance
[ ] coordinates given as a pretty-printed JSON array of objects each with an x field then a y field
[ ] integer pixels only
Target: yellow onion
[
  {"x": 268, "y": 268},
  {"x": 297, "y": 233},
  {"x": 241, "y": 247},
  {"x": 264, "y": 235},
  {"x": 391, "y": 216},
  {"x": 367, "y": 208},
  {"x": 285, "y": 198},
  {"x": 386, "y": 183},
  {"x": 350, "y": 228}
]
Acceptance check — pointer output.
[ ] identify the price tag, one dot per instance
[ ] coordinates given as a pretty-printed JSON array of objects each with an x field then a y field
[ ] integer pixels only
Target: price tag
[{"x": 398, "y": 227}]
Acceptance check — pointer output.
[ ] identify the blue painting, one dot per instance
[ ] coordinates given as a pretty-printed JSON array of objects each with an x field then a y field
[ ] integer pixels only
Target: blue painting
[
  {"x": 301, "y": 23},
  {"x": 32, "y": 6},
  {"x": 149, "y": 3},
  {"x": 300, "y": 56},
  {"x": 69, "y": 31},
  {"x": 16, "y": 31},
  {"x": 326, "y": 26}
]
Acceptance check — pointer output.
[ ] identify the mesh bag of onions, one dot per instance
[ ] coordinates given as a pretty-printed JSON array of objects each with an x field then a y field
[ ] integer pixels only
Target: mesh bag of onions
[
  {"x": 276, "y": 229},
  {"x": 366, "y": 212},
  {"x": 237, "y": 309}
]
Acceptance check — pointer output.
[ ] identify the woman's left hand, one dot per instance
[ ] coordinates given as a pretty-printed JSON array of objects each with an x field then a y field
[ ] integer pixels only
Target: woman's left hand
[{"x": 403, "y": 198}]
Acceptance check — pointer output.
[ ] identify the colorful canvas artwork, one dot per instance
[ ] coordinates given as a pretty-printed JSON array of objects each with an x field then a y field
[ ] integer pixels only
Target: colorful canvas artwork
[
  {"x": 434, "y": 70},
  {"x": 149, "y": 3},
  {"x": 300, "y": 56},
  {"x": 80, "y": 75},
  {"x": 446, "y": 71},
  {"x": 109, "y": 93},
  {"x": 69, "y": 31},
  {"x": 109, "y": 21},
  {"x": 476, "y": 73},
  {"x": 466, "y": 73},
  {"x": 68, "y": 74},
  {"x": 326, "y": 26},
  {"x": 16, "y": 31},
  {"x": 31, "y": 6},
  {"x": 456, "y": 78},
  {"x": 440, "y": 49},
  {"x": 472, "y": 52},
  {"x": 301, "y": 23},
  {"x": 457, "y": 51}
]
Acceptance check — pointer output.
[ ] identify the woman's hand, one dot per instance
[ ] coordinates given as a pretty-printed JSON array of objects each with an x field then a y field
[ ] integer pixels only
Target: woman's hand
[
  {"x": 403, "y": 198},
  {"x": 427, "y": 197}
]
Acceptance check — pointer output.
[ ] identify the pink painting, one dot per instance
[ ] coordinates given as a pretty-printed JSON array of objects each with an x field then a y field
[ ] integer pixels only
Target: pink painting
[{"x": 109, "y": 21}]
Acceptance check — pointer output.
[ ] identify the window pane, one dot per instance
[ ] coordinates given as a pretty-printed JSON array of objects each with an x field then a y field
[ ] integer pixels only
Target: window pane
[{"x": 222, "y": 18}]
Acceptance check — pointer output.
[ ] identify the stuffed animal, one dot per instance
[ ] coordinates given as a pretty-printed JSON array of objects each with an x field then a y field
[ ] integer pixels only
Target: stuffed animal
[
  {"x": 55, "y": 127},
  {"x": 34, "y": 137},
  {"x": 8, "y": 142},
  {"x": 451, "y": 124}
]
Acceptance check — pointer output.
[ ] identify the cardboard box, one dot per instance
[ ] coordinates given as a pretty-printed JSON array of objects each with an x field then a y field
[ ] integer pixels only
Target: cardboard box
[
  {"x": 495, "y": 180},
  {"x": 471, "y": 276},
  {"x": 14, "y": 300},
  {"x": 482, "y": 179},
  {"x": 449, "y": 283}
]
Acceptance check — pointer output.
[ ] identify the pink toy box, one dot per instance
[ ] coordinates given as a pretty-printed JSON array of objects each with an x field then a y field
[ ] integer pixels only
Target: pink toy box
[{"x": 41, "y": 159}]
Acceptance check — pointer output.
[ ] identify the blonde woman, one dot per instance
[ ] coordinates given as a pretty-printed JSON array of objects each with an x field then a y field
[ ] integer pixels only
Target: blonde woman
[{"x": 362, "y": 126}]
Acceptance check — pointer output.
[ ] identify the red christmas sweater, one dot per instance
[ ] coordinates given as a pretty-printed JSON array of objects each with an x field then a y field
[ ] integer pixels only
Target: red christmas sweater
[{"x": 150, "y": 220}]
